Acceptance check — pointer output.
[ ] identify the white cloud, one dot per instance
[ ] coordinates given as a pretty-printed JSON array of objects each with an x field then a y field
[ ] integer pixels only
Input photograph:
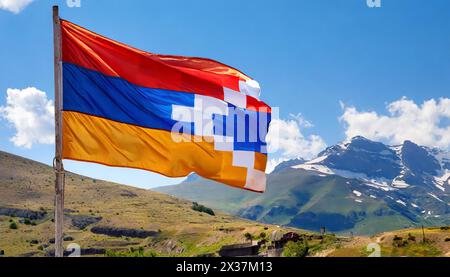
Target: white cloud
[
  {"x": 285, "y": 140},
  {"x": 31, "y": 113},
  {"x": 14, "y": 6},
  {"x": 302, "y": 122},
  {"x": 426, "y": 124}
]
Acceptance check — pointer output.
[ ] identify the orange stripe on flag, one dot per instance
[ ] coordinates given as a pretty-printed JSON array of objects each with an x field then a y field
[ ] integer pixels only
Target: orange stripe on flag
[{"x": 94, "y": 139}]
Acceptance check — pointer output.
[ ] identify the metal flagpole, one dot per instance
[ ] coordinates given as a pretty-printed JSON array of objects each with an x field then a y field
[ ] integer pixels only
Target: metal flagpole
[{"x": 57, "y": 162}]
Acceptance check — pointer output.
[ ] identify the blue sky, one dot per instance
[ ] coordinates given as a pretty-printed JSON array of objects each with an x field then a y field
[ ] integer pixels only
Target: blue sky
[{"x": 308, "y": 56}]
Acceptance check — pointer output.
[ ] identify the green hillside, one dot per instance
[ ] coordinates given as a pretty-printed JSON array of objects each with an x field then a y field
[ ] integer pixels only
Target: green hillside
[
  {"x": 305, "y": 200},
  {"x": 105, "y": 217}
]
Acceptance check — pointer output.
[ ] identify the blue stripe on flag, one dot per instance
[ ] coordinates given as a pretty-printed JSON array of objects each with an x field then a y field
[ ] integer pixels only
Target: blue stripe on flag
[
  {"x": 113, "y": 98},
  {"x": 93, "y": 93}
]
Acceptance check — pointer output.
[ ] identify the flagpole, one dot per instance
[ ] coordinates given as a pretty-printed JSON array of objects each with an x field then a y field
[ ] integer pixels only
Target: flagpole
[{"x": 57, "y": 162}]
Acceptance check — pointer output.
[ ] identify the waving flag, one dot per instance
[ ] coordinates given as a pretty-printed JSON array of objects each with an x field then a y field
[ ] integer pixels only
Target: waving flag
[{"x": 167, "y": 114}]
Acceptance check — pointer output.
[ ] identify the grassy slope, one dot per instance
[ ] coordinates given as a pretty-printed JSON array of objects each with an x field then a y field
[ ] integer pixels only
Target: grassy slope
[
  {"x": 222, "y": 197},
  {"x": 297, "y": 190},
  {"x": 435, "y": 244},
  {"x": 26, "y": 184}
]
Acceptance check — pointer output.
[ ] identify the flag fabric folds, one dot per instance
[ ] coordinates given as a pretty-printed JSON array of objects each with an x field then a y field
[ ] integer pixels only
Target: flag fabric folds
[{"x": 167, "y": 114}]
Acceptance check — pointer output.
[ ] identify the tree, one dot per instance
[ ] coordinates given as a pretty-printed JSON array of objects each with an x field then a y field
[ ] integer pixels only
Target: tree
[
  {"x": 248, "y": 236},
  {"x": 200, "y": 208},
  {"x": 13, "y": 225},
  {"x": 296, "y": 249}
]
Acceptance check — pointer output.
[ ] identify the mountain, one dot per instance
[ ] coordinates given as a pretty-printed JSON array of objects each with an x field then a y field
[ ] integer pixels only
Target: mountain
[
  {"x": 358, "y": 186},
  {"x": 104, "y": 217},
  {"x": 287, "y": 164}
]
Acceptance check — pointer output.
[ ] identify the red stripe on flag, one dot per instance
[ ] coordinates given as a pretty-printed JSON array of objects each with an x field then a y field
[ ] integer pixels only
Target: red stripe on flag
[
  {"x": 207, "y": 68},
  {"x": 87, "y": 49},
  {"x": 259, "y": 106},
  {"x": 186, "y": 74}
]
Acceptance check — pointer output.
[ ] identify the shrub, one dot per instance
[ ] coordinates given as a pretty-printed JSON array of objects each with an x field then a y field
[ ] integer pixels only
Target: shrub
[
  {"x": 34, "y": 241},
  {"x": 262, "y": 235},
  {"x": 200, "y": 208},
  {"x": 399, "y": 242},
  {"x": 296, "y": 249},
  {"x": 248, "y": 236},
  {"x": 140, "y": 252},
  {"x": 27, "y": 221},
  {"x": 13, "y": 226}
]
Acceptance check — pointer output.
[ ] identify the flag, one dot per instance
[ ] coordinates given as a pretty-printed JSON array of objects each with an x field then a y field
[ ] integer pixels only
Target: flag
[{"x": 171, "y": 115}]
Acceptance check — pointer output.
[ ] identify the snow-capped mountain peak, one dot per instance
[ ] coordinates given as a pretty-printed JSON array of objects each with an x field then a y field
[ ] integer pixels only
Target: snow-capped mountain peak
[{"x": 383, "y": 166}]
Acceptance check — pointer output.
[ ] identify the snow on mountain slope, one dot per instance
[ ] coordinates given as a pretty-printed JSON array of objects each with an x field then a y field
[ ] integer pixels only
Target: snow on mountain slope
[
  {"x": 384, "y": 167},
  {"x": 357, "y": 186},
  {"x": 443, "y": 179},
  {"x": 323, "y": 170}
]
